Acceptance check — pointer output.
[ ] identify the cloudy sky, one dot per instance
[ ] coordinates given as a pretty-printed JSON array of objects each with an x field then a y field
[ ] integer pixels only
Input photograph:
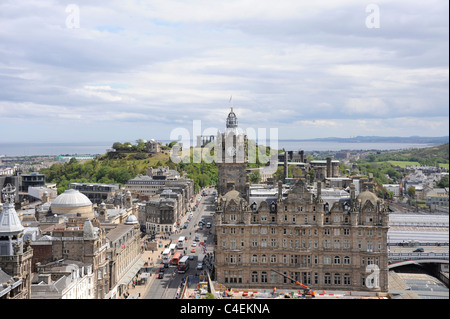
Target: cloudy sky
[{"x": 82, "y": 70}]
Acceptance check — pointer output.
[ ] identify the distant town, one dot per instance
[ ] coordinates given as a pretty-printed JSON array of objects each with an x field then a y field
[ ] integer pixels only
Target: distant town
[{"x": 132, "y": 224}]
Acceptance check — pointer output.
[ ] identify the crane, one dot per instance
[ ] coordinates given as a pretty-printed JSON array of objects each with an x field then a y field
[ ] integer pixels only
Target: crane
[{"x": 306, "y": 290}]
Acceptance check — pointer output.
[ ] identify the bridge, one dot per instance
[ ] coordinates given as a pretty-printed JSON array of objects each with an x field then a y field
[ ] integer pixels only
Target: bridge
[{"x": 402, "y": 259}]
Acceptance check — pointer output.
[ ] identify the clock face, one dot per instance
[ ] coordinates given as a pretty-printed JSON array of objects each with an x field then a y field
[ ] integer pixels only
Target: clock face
[{"x": 231, "y": 151}]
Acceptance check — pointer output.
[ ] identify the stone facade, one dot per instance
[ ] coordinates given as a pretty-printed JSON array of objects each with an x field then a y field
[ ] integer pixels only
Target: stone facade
[
  {"x": 232, "y": 158},
  {"x": 160, "y": 215},
  {"x": 15, "y": 253},
  {"x": 82, "y": 241},
  {"x": 323, "y": 247},
  {"x": 153, "y": 146},
  {"x": 124, "y": 254}
]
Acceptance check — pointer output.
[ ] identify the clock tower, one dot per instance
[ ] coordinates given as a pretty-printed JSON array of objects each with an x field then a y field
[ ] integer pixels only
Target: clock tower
[{"x": 232, "y": 158}]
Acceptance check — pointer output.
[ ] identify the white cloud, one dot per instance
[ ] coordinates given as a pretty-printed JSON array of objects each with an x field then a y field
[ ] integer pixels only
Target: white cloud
[{"x": 147, "y": 65}]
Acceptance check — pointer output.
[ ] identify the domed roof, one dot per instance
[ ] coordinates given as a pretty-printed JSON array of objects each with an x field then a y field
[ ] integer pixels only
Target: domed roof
[
  {"x": 71, "y": 198},
  {"x": 367, "y": 195},
  {"x": 131, "y": 219}
]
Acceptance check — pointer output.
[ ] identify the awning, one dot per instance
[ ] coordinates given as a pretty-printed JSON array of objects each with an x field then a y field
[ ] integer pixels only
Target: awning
[{"x": 128, "y": 277}]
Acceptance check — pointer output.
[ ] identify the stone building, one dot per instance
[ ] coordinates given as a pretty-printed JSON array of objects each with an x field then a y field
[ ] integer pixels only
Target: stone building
[
  {"x": 323, "y": 247},
  {"x": 63, "y": 279},
  {"x": 97, "y": 193},
  {"x": 160, "y": 215},
  {"x": 151, "y": 185},
  {"x": 232, "y": 158},
  {"x": 323, "y": 169},
  {"x": 72, "y": 203},
  {"x": 15, "y": 254},
  {"x": 84, "y": 241},
  {"x": 124, "y": 255},
  {"x": 153, "y": 146}
]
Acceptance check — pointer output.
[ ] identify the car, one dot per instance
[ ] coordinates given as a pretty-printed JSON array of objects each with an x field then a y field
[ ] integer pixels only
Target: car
[
  {"x": 418, "y": 250},
  {"x": 191, "y": 257},
  {"x": 160, "y": 275},
  {"x": 194, "y": 244},
  {"x": 193, "y": 250},
  {"x": 199, "y": 266},
  {"x": 197, "y": 238}
]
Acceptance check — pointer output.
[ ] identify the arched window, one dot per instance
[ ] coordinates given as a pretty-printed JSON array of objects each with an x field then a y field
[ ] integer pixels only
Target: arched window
[
  {"x": 264, "y": 258},
  {"x": 337, "y": 260},
  {"x": 273, "y": 258}
]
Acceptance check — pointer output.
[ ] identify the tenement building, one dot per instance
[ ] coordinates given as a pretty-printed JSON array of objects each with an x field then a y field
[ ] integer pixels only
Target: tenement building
[{"x": 342, "y": 247}]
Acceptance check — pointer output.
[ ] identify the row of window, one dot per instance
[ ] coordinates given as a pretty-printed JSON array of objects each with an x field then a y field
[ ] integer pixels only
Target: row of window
[
  {"x": 306, "y": 219},
  {"x": 302, "y": 231},
  {"x": 295, "y": 260},
  {"x": 306, "y": 278},
  {"x": 368, "y": 245}
]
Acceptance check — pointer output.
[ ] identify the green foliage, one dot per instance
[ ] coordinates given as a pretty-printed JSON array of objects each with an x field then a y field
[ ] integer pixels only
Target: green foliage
[
  {"x": 93, "y": 171},
  {"x": 383, "y": 172},
  {"x": 411, "y": 191},
  {"x": 255, "y": 177},
  {"x": 443, "y": 182},
  {"x": 203, "y": 174},
  {"x": 429, "y": 156},
  {"x": 128, "y": 147},
  {"x": 382, "y": 165}
]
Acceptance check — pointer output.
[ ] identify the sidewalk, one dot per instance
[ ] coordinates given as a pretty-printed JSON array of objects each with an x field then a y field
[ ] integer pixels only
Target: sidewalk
[{"x": 154, "y": 260}]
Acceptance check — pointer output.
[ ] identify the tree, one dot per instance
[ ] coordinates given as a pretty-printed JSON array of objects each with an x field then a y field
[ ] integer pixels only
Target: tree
[
  {"x": 411, "y": 192},
  {"x": 443, "y": 182},
  {"x": 117, "y": 146},
  {"x": 255, "y": 177},
  {"x": 279, "y": 173}
]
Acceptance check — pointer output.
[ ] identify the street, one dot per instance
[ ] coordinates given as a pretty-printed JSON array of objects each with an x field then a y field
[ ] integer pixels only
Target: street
[{"x": 168, "y": 286}]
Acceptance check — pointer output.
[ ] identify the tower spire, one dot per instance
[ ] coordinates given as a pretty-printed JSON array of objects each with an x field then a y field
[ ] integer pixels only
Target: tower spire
[{"x": 232, "y": 119}]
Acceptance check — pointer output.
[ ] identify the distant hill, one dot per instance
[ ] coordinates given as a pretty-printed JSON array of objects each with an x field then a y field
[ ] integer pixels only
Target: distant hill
[
  {"x": 425, "y": 156},
  {"x": 384, "y": 139}
]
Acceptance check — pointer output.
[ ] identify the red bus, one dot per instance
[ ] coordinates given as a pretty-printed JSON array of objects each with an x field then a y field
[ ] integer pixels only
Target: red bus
[
  {"x": 176, "y": 258},
  {"x": 183, "y": 265}
]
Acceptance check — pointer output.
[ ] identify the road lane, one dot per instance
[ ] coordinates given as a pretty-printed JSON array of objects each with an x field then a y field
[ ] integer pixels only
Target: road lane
[{"x": 167, "y": 287}]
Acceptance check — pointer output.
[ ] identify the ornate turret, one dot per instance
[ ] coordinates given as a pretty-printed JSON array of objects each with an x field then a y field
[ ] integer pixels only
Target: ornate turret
[
  {"x": 232, "y": 121},
  {"x": 11, "y": 229}
]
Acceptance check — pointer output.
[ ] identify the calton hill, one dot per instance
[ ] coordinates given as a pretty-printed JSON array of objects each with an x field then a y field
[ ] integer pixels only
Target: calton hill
[{"x": 127, "y": 160}]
